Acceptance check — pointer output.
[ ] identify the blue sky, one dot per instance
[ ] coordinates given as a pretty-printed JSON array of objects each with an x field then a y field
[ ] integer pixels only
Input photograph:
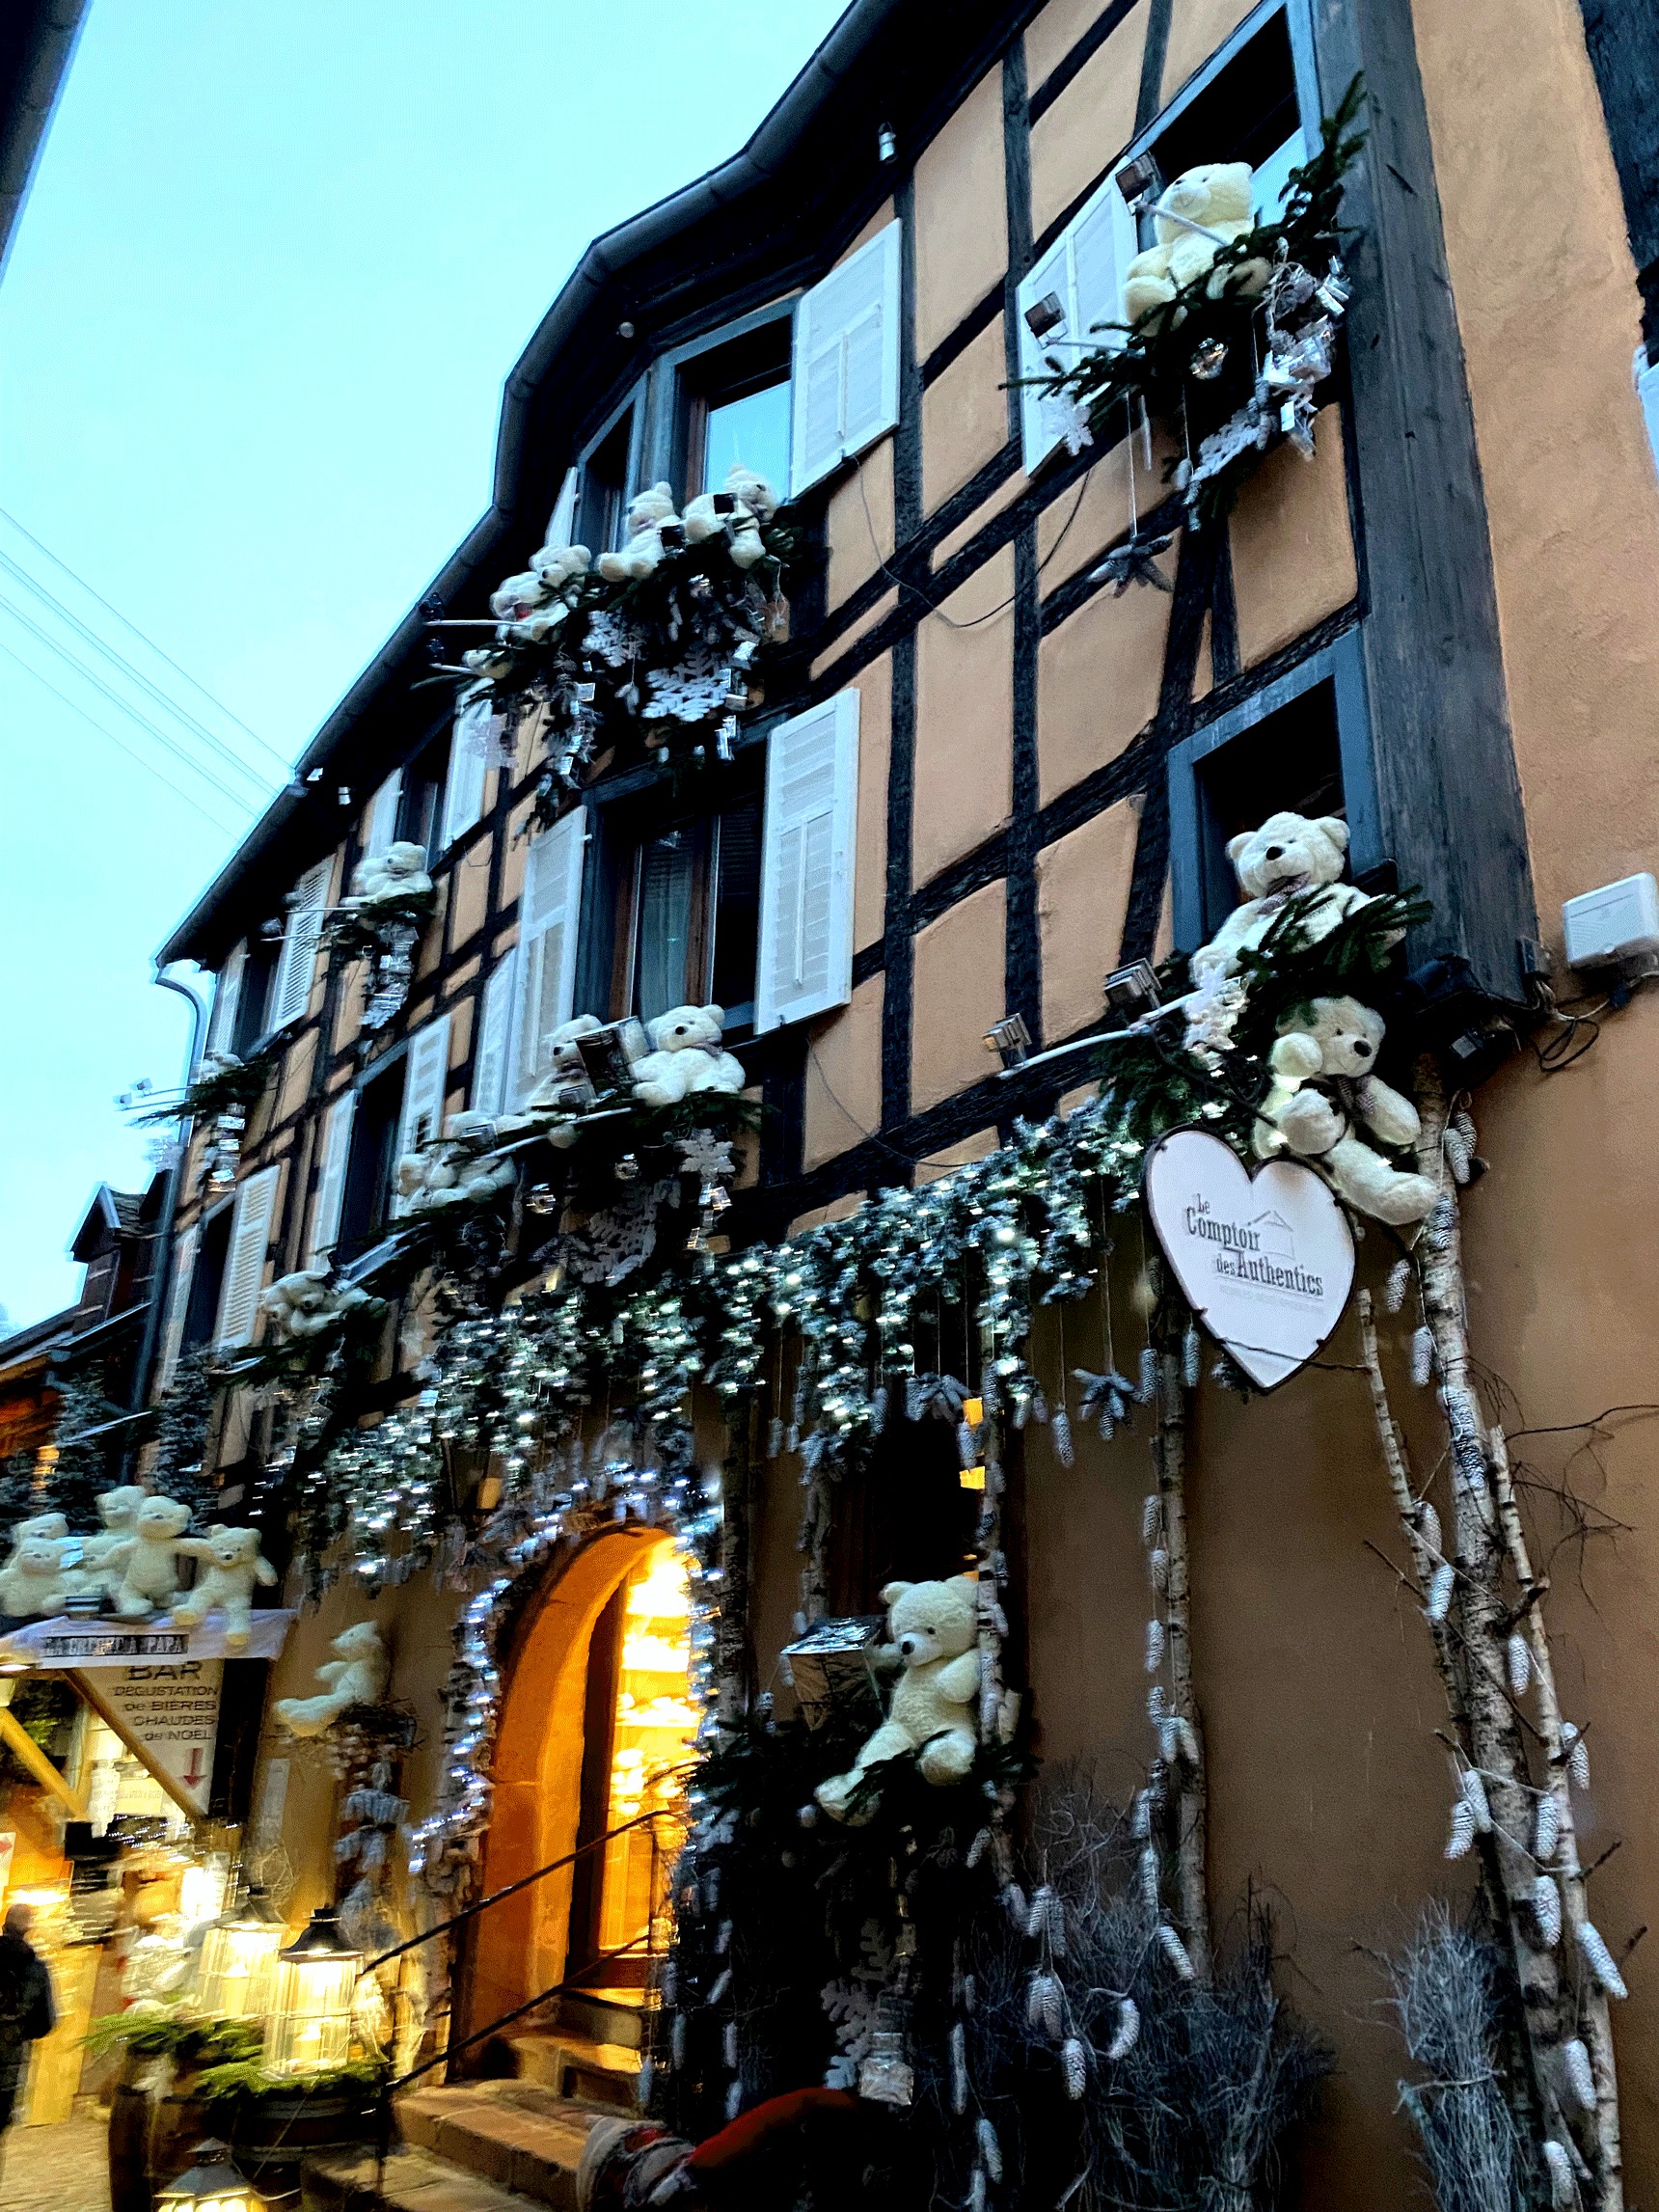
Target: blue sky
[{"x": 274, "y": 268}]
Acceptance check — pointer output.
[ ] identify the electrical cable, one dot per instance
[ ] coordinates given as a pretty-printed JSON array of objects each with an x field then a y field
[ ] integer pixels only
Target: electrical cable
[
  {"x": 177, "y": 751},
  {"x": 229, "y": 829},
  {"x": 128, "y": 624}
]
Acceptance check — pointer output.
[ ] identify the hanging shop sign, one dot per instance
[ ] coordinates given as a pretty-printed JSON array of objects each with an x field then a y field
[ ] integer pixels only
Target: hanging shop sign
[
  {"x": 65, "y": 1643},
  {"x": 170, "y": 1717},
  {"x": 1266, "y": 1260}
]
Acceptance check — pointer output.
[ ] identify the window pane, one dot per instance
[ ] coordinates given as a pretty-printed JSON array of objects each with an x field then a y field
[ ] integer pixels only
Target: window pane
[
  {"x": 667, "y": 890},
  {"x": 754, "y": 431},
  {"x": 737, "y": 911}
]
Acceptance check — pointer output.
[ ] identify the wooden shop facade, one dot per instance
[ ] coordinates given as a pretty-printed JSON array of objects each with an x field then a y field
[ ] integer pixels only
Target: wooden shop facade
[{"x": 971, "y": 771}]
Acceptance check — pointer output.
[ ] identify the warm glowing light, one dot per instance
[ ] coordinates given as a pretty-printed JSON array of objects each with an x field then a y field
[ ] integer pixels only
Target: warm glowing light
[
  {"x": 656, "y": 1726},
  {"x": 239, "y": 1956},
  {"x": 212, "y": 2184},
  {"x": 661, "y": 1592},
  {"x": 310, "y": 2012}
]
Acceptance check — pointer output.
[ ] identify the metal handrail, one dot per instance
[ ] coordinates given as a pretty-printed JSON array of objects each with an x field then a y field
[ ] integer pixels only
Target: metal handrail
[
  {"x": 558, "y": 1989},
  {"x": 468, "y": 1912}
]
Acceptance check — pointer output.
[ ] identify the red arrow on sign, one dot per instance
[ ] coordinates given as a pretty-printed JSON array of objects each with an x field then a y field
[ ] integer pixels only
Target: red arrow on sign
[{"x": 193, "y": 1776}]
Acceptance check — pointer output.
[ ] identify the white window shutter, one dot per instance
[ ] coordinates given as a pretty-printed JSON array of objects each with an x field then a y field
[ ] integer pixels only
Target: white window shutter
[
  {"x": 245, "y": 1257},
  {"x": 291, "y": 993},
  {"x": 1051, "y": 274},
  {"x": 550, "y": 915},
  {"x": 336, "y": 1130},
  {"x": 1104, "y": 243},
  {"x": 806, "y": 865},
  {"x": 425, "y": 1081},
  {"x": 178, "y": 1304},
  {"x": 845, "y": 366},
  {"x": 380, "y": 829},
  {"x": 227, "y": 999},
  {"x": 469, "y": 765},
  {"x": 490, "y": 1056},
  {"x": 562, "y": 522}
]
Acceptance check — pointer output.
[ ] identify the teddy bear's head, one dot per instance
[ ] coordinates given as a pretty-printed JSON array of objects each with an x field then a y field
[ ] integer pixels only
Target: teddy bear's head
[
  {"x": 647, "y": 508},
  {"x": 35, "y": 1555},
  {"x": 50, "y": 1527},
  {"x": 360, "y": 1641},
  {"x": 755, "y": 493},
  {"x": 232, "y": 1547},
  {"x": 1215, "y": 193},
  {"x": 685, "y": 1029},
  {"x": 518, "y": 597},
  {"x": 160, "y": 1519},
  {"x": 117, "y": 1507},
  {"x": 1288, "y": 853},
  {"x": 1346, "y": 1033},
  {"x": 405, "y": 859},
  {"x": 933, "y": 1619}
]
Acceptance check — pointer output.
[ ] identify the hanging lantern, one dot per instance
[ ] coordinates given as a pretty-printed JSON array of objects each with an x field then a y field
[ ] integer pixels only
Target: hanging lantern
[
  {"x": 239, "y": 1955},
  {"x": 211, "y": 2185},
  {"x": 311, "y": 2008}
]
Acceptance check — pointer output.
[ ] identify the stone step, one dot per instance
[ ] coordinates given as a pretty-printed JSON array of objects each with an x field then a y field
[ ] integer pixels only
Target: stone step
[
  {"x": 567, "y": 2066},
  {"x": 410, "y": 2181},
  {"x": 519, "y": 2136},
  {"x": 602, "y": 2015}
]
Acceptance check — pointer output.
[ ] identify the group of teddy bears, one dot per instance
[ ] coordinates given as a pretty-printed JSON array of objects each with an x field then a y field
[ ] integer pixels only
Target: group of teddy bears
[
  {"x": 1204, "y": 209},
  {"x": 534, "y": 605},
  {"x": 686, "y": 1056},
  {"x": 1327, "y": 1101},
  {"x": 133, "y": 1561}
]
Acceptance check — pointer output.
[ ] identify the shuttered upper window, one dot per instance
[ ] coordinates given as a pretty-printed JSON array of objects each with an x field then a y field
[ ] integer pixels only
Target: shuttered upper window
[
  {"x": 380, "y": 825},
  {"x": 550, "y": 909},
  {"x": 290, "y": 991},
  {"x": 245, "y": 1260},
  {"x": 222, "y": 1028},
  {"x": 846, "y": 372},
  {"x": 335, "y": 1154},
  {"x": 470, "y": 749},
  {"x": 1084, "y": 270},
  {"x": 426, "y": 1080},
  {"x": 492, "y": 1057},
  {"x": 806, "y": 960}
]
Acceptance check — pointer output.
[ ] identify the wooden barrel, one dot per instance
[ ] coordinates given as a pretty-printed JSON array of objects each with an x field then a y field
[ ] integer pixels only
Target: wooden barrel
[
  {"x": 272, "y": 2134},
  {"x": 177, "y": 2124}
]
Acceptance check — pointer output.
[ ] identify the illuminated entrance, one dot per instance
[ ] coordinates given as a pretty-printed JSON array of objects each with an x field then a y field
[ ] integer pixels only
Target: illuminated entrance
[{"x": 597, "y": 1730}]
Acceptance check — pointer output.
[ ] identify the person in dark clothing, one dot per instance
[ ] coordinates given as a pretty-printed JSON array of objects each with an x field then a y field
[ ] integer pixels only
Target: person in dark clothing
[{"x": 26, "y": 2011}]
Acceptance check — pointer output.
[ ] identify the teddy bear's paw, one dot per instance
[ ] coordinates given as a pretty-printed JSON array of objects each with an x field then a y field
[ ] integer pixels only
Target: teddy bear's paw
[
  {"x": 1398, "y": 1199},
  {"x": 946, "y": 1759},
  {"x": 833, "y": 1796},
  {"x": 1308, "y": 1123}
]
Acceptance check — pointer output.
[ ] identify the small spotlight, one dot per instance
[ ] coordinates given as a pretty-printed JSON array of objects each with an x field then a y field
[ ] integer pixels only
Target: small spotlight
[
  {"x": 1132, "y": 992},
  {"x": 624, "y": 330},
  {"x": 1044, "y": 314},
  {"x": 1141, "y": 182},
  {"x": 1010, "y": 1040},
  {"x": 343, "y": 794},
  {"x": 315, "y": 776},
  {"x": 887, "y": 145}
]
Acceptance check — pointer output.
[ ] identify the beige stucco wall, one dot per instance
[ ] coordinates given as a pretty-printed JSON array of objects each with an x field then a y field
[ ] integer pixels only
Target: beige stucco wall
[{"x": 961, "y": 214}]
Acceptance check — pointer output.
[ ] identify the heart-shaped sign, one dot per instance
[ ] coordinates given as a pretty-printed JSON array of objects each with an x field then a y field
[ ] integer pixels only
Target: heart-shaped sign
[{"x": 1266, "y": 1260}]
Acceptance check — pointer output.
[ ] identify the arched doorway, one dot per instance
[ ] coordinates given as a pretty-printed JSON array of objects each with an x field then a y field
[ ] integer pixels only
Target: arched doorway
[{"x": 596, "y": 1726}]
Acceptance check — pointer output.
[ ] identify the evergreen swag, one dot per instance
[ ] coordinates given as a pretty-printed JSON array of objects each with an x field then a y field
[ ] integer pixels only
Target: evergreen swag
[
  {"x": 662, "y": 656},
  {"x": 225, "y": 1085},
  {"x": 1027, "y": 1225},
  {"x": 83, "y": 1463},
  {"x": 187, "y": 1408},
  {"x": 359, "y": 932},
  {"x": 1152, "y": 363}
]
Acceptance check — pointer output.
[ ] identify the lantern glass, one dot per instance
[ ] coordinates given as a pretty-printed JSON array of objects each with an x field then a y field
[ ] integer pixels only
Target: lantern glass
[
  {"x": 316, "y": 1981},
  {"x": 211, "y": 2185},
  {"x": 239, "y": 1959}
]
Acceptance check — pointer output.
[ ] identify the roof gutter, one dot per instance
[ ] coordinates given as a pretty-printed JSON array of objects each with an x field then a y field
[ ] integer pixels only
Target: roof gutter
[{"x": 23, "y": 129}]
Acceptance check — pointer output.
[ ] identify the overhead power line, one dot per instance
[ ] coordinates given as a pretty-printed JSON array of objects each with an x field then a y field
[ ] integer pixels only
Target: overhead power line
[
  {"x": 281, "y": 764},
  {"x": 194, "y": 765},
  {"x": 228, "y": 829}
]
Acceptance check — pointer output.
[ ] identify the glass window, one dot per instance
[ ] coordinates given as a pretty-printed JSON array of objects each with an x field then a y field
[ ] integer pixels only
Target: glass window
[
  {"x": 697, "y": 914},
  {"x": 602, "y": 507},
  {"x": 752, "y": 432},
  {"x": 365, "y": 1208},
  {"x": 421, "y": 807},
  {"x": 734, "y": 408}
]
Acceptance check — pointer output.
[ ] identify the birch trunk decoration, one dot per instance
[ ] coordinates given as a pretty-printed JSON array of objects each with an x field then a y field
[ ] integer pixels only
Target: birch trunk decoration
[
  {"x": 1462, "y": 1582},
  {"x": 1182, "y": 1736}
]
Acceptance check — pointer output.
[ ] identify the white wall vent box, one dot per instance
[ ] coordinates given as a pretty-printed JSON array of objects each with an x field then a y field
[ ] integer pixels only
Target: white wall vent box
[{"x": 1621, "y": 921}]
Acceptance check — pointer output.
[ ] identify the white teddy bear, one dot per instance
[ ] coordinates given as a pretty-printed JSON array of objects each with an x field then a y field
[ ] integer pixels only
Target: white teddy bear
[
  {"x": 559, "y": 565},
  {"x": 648, "y": 512},
  {"x": 231, "y": 1564},
  {"x": 304, "y": 1304},
  {"x": 934, "y": 1627},
  {"x": 518, "y": 597},
  {"x": 46, "y": 1527},
  {"x": 1325, "y": 1091},
  {"x": 686, "y": 1056},
  {"x": 746, "y": 505},
  {"x": 32, "y": 1580},
  {"x": 398, "y": 873},
  {"x": 148, "y": 1558},
  {"x": 356, "y": 1676},
  {"x": 1202, "y": 210},
  {"x": 1287, "y": 856},
  {"x": 458, "y": 1169}
]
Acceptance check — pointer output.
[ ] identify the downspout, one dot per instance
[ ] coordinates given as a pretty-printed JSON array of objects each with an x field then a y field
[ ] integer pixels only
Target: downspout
[{"x": 162, "y": 1274}]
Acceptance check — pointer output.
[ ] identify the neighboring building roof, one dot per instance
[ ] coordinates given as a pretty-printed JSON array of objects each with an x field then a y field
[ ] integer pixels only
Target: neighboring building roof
[
  {"x": 746, "y": 231},
  {"x": 119, "y": 1211},
  {"x": 37, "y": 37},
  {"x": 34, "y": 1343}
]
